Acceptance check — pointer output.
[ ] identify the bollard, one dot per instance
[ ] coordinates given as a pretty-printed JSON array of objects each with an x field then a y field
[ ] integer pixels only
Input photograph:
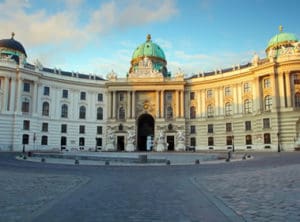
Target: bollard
[
  {"x": 76, "y": 162},
  {"x": 168, "y": 162},
  {"x": 197, "y": 162},
  {"x": 106, "y": 162},
  {"x": 43, "y": 160}
]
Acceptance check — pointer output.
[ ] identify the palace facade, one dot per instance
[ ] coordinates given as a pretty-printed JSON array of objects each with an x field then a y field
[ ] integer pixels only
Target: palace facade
[{"x": 254, "y": 106}]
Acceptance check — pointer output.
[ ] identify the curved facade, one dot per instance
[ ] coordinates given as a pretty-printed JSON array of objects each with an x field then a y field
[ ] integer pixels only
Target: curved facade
[{"x": 253, "y": 106}]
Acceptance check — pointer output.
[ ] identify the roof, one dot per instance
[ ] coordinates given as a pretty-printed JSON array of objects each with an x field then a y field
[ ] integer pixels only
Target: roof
[{"x": 12, "y": 44}]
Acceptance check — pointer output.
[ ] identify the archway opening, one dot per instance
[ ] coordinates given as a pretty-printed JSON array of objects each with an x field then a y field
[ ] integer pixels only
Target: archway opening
[{"x": 145, "y": 129}]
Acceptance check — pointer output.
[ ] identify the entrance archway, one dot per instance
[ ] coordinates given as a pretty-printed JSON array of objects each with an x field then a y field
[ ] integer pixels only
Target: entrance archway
[{"x": 145, "y": 128}]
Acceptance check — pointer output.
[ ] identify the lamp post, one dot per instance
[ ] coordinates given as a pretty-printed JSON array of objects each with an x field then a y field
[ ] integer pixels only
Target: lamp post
[
  {"x": 278, "y": 142},
  {"x": 232, "y": 137}
]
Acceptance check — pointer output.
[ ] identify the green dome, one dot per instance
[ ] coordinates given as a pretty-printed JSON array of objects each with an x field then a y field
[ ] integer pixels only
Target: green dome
[
  {"x": 148, "y": 49},
  {"x": 282, "y": 38}
]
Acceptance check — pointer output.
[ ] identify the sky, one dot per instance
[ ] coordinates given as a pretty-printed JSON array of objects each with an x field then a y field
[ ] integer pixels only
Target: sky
[{"x": 90, "y": 36}]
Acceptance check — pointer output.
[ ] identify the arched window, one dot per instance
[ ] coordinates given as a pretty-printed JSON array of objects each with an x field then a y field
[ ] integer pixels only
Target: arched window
[
  {"x": 122, "y": 113},
  {"x": 248, "y": 139},
  {"x": 228, "y": 109},
  {"x": 297, "y": 100},
  {"x": 44, "y": 140},
  {"x": 82, "y": 112},
  {"x": 192, "y": 112},
  {"x": 64, "y": 111},
  {"x": 169, "y": 112},
  {"x": 99, "y": 113},
  {"x": 248, "y": 106},
  {"x": 25, "y": 105},
  {"x": 268, "y": 103},
  {"x": 210, "y": 111},
  {"x": 45, "y": 111}
]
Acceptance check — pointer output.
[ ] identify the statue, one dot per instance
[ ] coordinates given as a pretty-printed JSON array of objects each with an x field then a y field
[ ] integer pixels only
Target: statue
[
  {"x": 161, "y": 145},
  {"x": 130, "y": 141},
  {"x": 180, "y": 141},
  {"x": 180, "y": 137},
  {"x": 110, "y": 145},
  {"x": 255, "y": 59}
]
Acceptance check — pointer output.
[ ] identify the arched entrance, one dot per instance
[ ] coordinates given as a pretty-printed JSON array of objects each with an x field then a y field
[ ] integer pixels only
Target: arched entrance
[{"x": 145, "y": 128}]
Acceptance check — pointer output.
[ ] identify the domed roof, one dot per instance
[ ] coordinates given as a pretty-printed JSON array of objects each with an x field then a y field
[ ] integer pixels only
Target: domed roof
[
  {"x": 12, "y": 44},
  {"x": 282, "y": 38},
  {"x": 148, "y": 49}
]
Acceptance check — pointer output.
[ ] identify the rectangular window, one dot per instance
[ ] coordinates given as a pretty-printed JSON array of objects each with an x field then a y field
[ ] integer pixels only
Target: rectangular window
[
  {"x": 46, "y": 90},
  {"x": 45, "y": 127},
  {"x": 210, "y": 128},
  {"x": 227, "y": 91},
  {"x": 228, "y": 127},
  {"x": 44, "y": 140},
  {"x": 99, "y": 130},
  {"x": 26, "y": 87},
  {"x": 99, "y": 142},
  {"x": 121, "y": 97},
  {"x": 65, "y": 93},
  {"x": 228, "y": 140},
  {"x": 81, "y": 141},
  {"x": 248, "y": 125},
  {"x": 267, "y": 83},
  {"x": 193, "y": 129},
  {"x": 83, "y": 96},
  {"x": 209, "y": 93},
  {"x": 247, "y": 87},
  {"x": 81, "y": 129},
  {"x": 266, "y": 123},
  {"x": 100, "y": 97},
  {"x": 192, "y": 95},
  {"x": 210, "y": 141},
  {"x": 193, "y": 141},
  {"x": 26, "y": 125},
  {"x": 64, "y": 128}
]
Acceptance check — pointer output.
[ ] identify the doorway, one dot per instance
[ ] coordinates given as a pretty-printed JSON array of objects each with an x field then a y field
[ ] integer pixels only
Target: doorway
[
  {"x": 170, "y": 142},
  {"x": 120, "y": 143},
  {"x": 145, "y": 128}
]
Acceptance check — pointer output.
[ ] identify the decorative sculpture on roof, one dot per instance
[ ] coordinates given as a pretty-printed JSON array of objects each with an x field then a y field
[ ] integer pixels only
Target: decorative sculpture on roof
[
  {"x": 255, "y": 59},
  {"x": 112, "y": 75}
]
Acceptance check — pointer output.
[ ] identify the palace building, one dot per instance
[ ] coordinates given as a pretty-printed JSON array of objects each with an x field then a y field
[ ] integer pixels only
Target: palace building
[{"x": 254, "y": 106}]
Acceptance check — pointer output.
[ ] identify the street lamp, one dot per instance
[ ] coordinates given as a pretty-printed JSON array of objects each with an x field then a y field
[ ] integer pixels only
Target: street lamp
[
  {"x": 278, "y": 142},
  {"x": 232, "y": 137}
]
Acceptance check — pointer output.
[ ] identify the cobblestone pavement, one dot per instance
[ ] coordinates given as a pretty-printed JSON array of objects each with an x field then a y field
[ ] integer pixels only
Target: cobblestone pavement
[{"x": 259, "y": 195}]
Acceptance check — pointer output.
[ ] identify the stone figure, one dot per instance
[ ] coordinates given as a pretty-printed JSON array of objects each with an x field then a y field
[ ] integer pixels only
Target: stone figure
[
  {"x": 131, "y": 137},
  {"x": 180, "y": 144},
  {"x": 180, "y": 137},
  {"x": 255, "y": 59}
]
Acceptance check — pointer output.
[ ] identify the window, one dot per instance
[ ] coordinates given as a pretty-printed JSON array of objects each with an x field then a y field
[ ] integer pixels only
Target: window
[
  {"x": 99, "y": 141},
  {"x": 121, "y": 97},
  {"x": 193, "y": 141},
  {"x": 46, "y": 91},
  {"x": 192, "y": 112},
  {"x": 248, "y": 106},
  {"x": 266, "y": 123},
  {"x": 193, "y": 129},
  {"x": 168, "y": 96},
  {"x": 63, "y": 142},
  {"x": 228, "y": 140},
  {"x": 83, "y": 96},
  {"x": 81, "y": 141},
  {"x": 25, "y": 139},
  {"x": 65, "y": 93},
  {"x": 64, "y": 128},
  {"x": 100, "y": 97},
  {"x": 228, "y": 109},
  {"x": 228, "y": 91},
  {"x": 25, "y": 105},
  {"x": 268, "y": 103},
  {"x": 297, "y": 100},
  {"x": 248, "y": 125},
  {"x": 82, "y": 112},
  {"x": 81, "y": 129},
  {"x": 228, "y": 127},
  {"x": 192, "y": 95},
  {"x": 99, "y": 130},
  {"x": 209, "y": 93},
  {"x": 248, "y": 139},
  {"x": 122, "y": 113},
  {"x": 45, "y": 111},
  {"x": 267, "y": 138},
  {"x": 44, "y": 140},
  {"x": 210, "y": 111},
  {"x": 26, "y": 87},
  {"x": 210, "y": 141},
  {"x": 247, "y": 87},
  {"x": 210, "y": 128},
  {"x": 45, "y": 127},
  {"x": 169, "y": 112},
  {"x": 267, "y": 83},
  {"x": 64, "y": 111},
  {"x": 99, "y": 113},
  {"x": 26, "y": 125}
]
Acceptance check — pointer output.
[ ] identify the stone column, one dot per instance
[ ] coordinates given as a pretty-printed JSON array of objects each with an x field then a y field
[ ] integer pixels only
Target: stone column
[
  {"x": 274, "y": 95},
  {"x": 198, "y": 100},
  {"x": 18, "y": 95},
  {"x": 218, "y": 104},
  {"x": 128, "y": 104},
  {"x": 133, "y": 104},
  {"x": 177, "y": 103},
  {"x": 34, "y": 100},
  {"x": 239, "y": 98},
  {"x": 203, "y": 106},
  {"x": 114, "y": 104},
  {"x": 235, "y": 99},
  {"x": 256, "y": 95},
  {"x": 281, "y": 90},
  {"x": 157, "y": 104},
  {"x": 288, "y": 89},
  {"x": 181, "y": 103},
  {"x": 5, "y": 95},
  {"x": 162, "y": 104},
  {"x": 109, "y": 98},
  {"x": 221, "y": 101}
]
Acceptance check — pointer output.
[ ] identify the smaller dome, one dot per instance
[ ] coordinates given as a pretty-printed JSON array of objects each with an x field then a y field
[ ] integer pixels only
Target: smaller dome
[
  {"x": 282, "y": 38},
  {"x": 12, "y": 44}
]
